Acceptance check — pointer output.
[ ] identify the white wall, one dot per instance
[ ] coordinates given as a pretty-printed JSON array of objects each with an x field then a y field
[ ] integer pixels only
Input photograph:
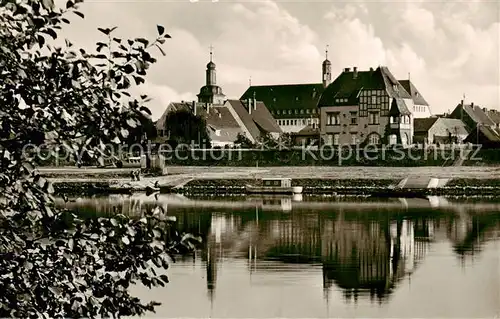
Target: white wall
[{"x": 294, "y": 125}]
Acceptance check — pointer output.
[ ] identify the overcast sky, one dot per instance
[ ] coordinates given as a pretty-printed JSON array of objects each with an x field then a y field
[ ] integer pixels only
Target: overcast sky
[{"x": 449, "y": 48}]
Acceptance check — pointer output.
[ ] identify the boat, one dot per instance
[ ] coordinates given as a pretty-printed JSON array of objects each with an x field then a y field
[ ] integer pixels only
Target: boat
[{"x": 274, "y": 186}]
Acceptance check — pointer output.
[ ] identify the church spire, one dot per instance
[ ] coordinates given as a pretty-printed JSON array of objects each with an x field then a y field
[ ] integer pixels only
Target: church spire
[
  {"x": 327, "y": 69},
  {"x": 211, "y": 78}
]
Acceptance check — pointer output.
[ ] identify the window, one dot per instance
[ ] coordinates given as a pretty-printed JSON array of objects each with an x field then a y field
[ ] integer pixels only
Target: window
[
  {"x": 294, "y": 122},
  {"x": 354, "y": 118},
  {"x": 301, "y": 111},
  {"x": 307, "y": 111},
  {"x": 354, "y": 139},
  {"x": 374, "y": 139},
  {"x": 329, "y": 139},
  {"x": 314, "y": 111},
  {"x": 289, "y": 111},
  {"x": 278, "y": 112},
  {"x": 336, "y": 137},
  {"x": 374, "y": 99},
  {"x": 333, "y": 118},
  {"x": 374, "y": 118},
  {"x": 296, "y": 111}
]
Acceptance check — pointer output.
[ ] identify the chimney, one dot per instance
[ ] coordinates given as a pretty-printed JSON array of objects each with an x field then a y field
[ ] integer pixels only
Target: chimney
[
  {"x": 249, "y": 102},
  {"x": 462, "y": 102},
  {"x": 355, "y": 72},
  {"x": 194, "y": 108},
  {"x": 371, "y": 69},
  {"x": 347, "y": 69}
]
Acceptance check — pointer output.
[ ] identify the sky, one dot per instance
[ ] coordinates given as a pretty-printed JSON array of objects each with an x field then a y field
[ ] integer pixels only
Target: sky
[{"x": 448, "y": 48}]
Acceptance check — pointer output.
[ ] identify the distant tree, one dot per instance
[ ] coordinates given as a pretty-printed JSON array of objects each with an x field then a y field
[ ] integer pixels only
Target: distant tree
[
  {"x": 183, "y": 126},
  {"x": 54, "y": 263},
  {"x": 267, "y": 141},
  {"x": 243, "y": 141},
  {"x": 286, "y": 140}
]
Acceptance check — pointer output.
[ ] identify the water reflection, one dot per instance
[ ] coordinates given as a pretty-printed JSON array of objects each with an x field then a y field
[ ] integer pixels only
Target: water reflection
[{"x": 363, "y": 250}]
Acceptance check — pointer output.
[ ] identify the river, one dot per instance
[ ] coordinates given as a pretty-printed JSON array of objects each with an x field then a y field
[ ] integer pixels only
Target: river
[{"x": 327, "y": 257}]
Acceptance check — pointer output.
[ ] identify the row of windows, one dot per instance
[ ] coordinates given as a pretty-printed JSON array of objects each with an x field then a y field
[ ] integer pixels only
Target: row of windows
[
  {"x": 340, "y": 100},
  {"x": 333, "y": 118},
  {"x": 404, "y": 119},
  {"x": 301, "y": 111},
  {"x": 374, "y": 99},
  {"x": 372, "y": 93},
  {"x": 297, "y": 122},
  {"x": 333, "y": 139},
  {"x": 419, "y": 108}
]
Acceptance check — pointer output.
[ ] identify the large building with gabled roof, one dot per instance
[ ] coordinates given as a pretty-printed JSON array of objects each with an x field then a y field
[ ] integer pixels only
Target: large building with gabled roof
[
  {"x": 294, "y": 106},
  {"x": 367, "y": 107}
]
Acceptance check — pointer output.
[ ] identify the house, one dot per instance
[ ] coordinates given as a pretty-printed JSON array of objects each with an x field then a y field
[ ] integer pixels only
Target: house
[
  {"x": 254, "y": 118},
  {"x": 434, "y": 130},
  {"x": 222, "y": 127},
  {"x": 494, "y": 115},
  {"x": 366, "y": 107},
  {"x": 421, "y": 108},
  {"x": 309, "y": 135},
  {"x": 294, "y": 106},
  {"x": 472, "y": 115},
  {"x": 486, "y": 136}
]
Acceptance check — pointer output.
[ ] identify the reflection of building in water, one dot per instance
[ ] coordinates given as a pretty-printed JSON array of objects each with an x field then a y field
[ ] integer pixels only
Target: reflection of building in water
[
  {"x": 369, "y": 258},
  {"x": 218, "y": 240}
]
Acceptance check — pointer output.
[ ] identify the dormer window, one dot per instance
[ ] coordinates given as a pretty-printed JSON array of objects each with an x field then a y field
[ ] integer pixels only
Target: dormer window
[{"x": 395, "y": 87}]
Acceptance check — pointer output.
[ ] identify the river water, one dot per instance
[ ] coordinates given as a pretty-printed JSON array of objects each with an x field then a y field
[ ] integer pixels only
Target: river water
[{"x": 324, "y": 257}]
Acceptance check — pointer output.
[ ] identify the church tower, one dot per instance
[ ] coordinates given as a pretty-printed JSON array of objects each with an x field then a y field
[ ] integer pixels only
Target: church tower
[
  {"x": 327, "y": 70},
  {"x": 211, "y": 93}
]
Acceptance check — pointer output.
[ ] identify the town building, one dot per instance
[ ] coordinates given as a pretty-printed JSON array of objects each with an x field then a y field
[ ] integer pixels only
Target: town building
[
  {"x": 434, "y": 130},
  {"x": 486, "y": 136},
  {"x": 225, "y": 118},
  {"x": 254, "y": 119},
  {"x": 421, "y": 108},
  {"x": 472, "y": 115},
  {"x": 367, "y": 107},
  {"x": 222, "y": 127},
  {"x": 294, "y": 106}
]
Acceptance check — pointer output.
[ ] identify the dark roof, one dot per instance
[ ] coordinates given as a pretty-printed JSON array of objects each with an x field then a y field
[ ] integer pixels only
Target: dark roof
[
  {"x": 454, "y": 125},
  {"x": 489, "y": 133},
  {"x": 259, "y": 119},
  {"x": 494, "y": 115},
  {"x": 399, "y": 107},
  {"x": 418, "y": 99},
  {"x": 423, "y": 125},
  {"x": 218, "y": 117},
  {"x": 477, "y": 114},
  {"x": 286, "y": 97},
  {"x": 347, "y": 86}
]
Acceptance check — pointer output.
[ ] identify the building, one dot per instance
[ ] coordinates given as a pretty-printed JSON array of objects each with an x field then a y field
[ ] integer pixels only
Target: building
[
  {"x": 472, "y": 115},
  {"x": 494, "y": 115},
  {"x": 294, "y": 106},
  {"x": 421, "y": 108},
  {"x": 222, "y": 127},
  {"x": 211, "y": 92},
  {"x": 434, "y": 130},
  {"x": 254, "y": 118},
  {"x": 366, "y": 107},
  {"x": 486, "y": 136}
]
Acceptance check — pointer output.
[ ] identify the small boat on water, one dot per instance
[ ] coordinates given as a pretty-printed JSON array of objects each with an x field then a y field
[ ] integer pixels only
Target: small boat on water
[{"x": 274, "y": 186}]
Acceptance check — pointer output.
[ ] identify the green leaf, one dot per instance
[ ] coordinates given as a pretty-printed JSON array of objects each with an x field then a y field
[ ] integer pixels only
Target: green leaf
[
  {"x": 132, "y": 123},
  {"x": 161, "y": 29},
  {"x": 69, "y": 4},
  {"x": 128, "y": 69},
  {"x": 124, "y": 132},
  {"x": 52, "y": 33},
  {"x": 48, "y": 4}
]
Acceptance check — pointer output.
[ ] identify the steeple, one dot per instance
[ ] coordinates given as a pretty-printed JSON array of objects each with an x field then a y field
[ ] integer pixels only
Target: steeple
[
  {"x": 327, "y": 69},
  {"x": 211, "y": 76}
]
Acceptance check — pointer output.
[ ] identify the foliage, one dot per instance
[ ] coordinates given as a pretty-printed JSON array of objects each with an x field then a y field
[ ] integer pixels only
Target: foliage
[
  {"x": 243, "y": 141},
  {"x": 267, "y": 141},
  {"x": 286, "y": 140},
  {"x": 183, "y": 127},
  {"x": 53, "y": 264}
]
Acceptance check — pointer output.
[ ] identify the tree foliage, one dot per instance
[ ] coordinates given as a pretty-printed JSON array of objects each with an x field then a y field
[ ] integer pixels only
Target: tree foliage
[
  {"x": 183, "y": 127},
  {"x": 243, "y": 141},
  {"x": 52, "y": 262}
]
